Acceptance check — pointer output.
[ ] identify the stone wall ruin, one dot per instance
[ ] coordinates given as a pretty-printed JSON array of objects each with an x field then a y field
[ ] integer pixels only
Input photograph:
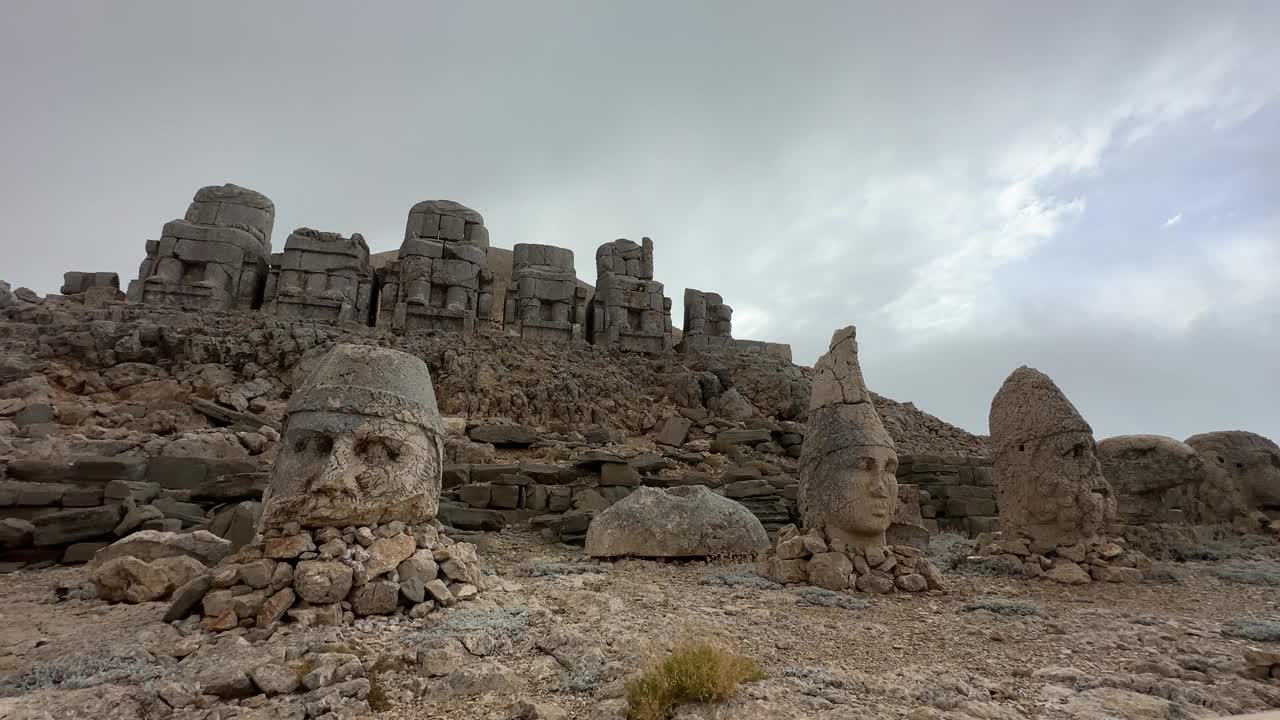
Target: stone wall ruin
[
  {"x": 322, "y": 276},
  {"x": 544, "y": 300},
  {"x": 629, "y": 311},
  {"x": 215, "y": 258}
]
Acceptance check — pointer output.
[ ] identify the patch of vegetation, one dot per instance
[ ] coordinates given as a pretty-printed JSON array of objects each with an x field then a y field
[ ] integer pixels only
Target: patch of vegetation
[
  {"x": 81, "y": 670},
  {"x": 1250, "y": 573},
  {"x": 694, "y": 672},
  {"x": 821, "y": 597},
  {"x": 1256, "y": 630},
  {"x": 989, "y": 566},
  {"x": 947, "y": 550},
  {"x": 1004, "y": 606},
  {"x": 509, "y": 623}
]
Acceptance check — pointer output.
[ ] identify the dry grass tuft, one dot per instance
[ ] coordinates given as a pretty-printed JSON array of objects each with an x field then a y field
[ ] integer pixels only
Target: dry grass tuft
[{"x": 696, "y": 671}]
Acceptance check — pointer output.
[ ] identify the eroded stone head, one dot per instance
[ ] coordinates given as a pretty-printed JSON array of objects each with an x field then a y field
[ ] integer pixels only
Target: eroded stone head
[
  {"x": 1049, "y": 482},
  {"x": 848, "y": 481},
  {"x": 362, "y": 444},
  {"x": 1243, "y": 462}
]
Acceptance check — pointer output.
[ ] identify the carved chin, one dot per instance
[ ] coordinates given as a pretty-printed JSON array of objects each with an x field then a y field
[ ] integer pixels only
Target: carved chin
[{"x": 329, "y": 511}]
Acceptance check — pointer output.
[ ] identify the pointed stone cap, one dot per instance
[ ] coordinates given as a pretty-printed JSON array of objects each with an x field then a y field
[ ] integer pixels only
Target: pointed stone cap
[
  {"x": 837, "y": 377},
  {"x": 841, "y": 415},
  {"x": 1029, "y": 406},
  {"x": 372, "y": 381}
]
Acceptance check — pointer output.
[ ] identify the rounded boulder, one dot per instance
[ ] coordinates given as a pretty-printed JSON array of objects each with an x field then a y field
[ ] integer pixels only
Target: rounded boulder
[{"x": 680, "y": 522}]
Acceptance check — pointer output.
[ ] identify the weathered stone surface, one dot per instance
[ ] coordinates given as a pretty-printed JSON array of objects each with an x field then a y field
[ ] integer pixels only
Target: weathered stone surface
[
  {"x": 674, "y": 431},
  {"x": 237, "y": 523},
  {"x": 322, "y": 581},
  {"x": 1067, "y": 573},
  {"x": 152, "y": 545},
  {"x": 1243, "y": 475},
  {"x": 688, "y": 521},
  {"x": 67, "y": 526},
  {"x": 128, "y": 579},
  {"x": 386, "y": 553},
  {"x": 504, "y": 435},
  {"x": 377, "y": 597},
  {"x": 16, "y": 532},
  {"x": 363, "y": 443},
  {"x": 830, "y": 570},
  {"x": 186, "y": 597},
  {"x": 1049, "y": 483},
  {"x": 1150, "y": 475},
  {"x": 848, "y": 485}
]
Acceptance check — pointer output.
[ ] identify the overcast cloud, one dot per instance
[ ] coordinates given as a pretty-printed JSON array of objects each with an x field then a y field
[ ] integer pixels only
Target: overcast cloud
[{"x": 1092, "y": 189}]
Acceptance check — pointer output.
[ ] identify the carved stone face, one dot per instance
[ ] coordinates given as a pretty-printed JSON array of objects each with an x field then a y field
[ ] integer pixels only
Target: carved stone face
[
  {"x": 863, "y": 498},
  {"x": 1061, "y": 496},
  {"x": 338, "y": 469}
]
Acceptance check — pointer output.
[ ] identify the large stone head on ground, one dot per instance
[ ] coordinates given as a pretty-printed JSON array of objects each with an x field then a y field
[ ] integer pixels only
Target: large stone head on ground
[
  {"x": 848, "y": 482},
  {"x": 1049, "y": 483},
  {"x": 1242, "y": 462},
  {"x": 1150, "y": 476},
  {"x": 362, "y": 444}
]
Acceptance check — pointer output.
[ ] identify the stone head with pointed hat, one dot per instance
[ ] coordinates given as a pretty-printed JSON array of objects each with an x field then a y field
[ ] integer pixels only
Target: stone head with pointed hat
[
  {"x": 1049, "y": 482},
  {"x": 362, "y": 444},
  {"x": 848, "y": 483}
]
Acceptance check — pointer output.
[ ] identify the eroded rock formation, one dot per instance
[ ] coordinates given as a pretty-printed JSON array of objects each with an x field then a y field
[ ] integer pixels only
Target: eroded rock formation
[
  {"x": 1242, "y": 477},
  {"x": 1150, "y": 476}
]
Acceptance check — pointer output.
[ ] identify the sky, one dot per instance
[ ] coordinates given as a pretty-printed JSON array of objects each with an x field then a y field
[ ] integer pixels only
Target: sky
[{"x": 1092, "y": 189}]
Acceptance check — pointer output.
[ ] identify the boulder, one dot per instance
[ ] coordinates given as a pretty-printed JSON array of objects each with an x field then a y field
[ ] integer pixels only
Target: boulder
[
  {"x": 1150, "y": 475},
  {"x": 68, "y": 526},
  {"x": 504, "y": 435},
  {"x": 688, "y": 521},
  {"x": 128, "y": 579},
  {"x": 152, "y": 545}
]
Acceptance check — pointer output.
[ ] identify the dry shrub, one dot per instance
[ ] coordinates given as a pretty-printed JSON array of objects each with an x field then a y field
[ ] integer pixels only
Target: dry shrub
[{"x": 697, "y": 671}]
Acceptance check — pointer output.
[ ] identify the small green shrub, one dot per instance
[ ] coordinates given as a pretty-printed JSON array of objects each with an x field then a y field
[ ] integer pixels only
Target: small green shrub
[
  {"x": 1003, "y": 606},
  {"x": 693, "y": 672},
  {"x": 822, "y": 597},
  {"x": 947, "y": 550},
  {"x": 1250, "y": 573},
  {"x": 1256, "y": 630}
]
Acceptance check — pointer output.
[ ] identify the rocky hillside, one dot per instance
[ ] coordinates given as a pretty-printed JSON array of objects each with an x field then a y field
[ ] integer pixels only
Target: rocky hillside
[{"x": 140, "y": 368}]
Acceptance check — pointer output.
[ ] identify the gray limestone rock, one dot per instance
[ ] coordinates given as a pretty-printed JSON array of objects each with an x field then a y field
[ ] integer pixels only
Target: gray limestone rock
[
  {"x": 322, "y": 581},
  {"x": 365, "y": 412},
  {"x": 152, "y": 545},
  {"x": 688, "y": 521},
  {"x": 1049, "y": 483},
  {"x": 377, "y": 597}
]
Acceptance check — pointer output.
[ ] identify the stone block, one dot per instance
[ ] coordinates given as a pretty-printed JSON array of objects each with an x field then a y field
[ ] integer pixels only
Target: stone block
[{"x": 68, "y": 526}]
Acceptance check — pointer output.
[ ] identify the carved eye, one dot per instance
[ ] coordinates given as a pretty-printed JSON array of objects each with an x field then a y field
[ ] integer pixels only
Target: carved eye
[
  {"x": 313, "y": 443},
  {"x": 377, "y": 450}
]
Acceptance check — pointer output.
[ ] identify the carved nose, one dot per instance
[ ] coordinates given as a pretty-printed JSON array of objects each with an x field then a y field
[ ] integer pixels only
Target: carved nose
[{"x": 336, "y": 474}]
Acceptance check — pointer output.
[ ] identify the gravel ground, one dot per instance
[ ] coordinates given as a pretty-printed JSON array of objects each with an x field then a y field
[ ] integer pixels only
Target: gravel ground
[{"x": 564, "y": 630}]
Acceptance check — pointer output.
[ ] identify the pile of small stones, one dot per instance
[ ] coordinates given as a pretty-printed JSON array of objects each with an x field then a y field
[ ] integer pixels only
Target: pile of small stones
[
  {"x": 812, "y": 559},
  {"x": 1100, "y": 560},
  {"x": 328, "y": 576}
]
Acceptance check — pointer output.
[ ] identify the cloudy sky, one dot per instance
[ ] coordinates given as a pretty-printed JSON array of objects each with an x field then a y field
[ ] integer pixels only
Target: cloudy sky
[{"x": 1094, "y": 192}]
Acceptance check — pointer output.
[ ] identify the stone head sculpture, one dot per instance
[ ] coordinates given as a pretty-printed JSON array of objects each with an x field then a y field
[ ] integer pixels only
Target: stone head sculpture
[
  {"x": 1049, "y": 482},
  {"x": 848, "y": 482},
  {"x": 1246, "y": 463},
  {"x": 362, "y": 444}
]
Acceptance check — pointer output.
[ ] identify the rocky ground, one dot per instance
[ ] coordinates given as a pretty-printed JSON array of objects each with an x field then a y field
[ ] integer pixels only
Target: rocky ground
[{"x": 557, "y": 635}]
